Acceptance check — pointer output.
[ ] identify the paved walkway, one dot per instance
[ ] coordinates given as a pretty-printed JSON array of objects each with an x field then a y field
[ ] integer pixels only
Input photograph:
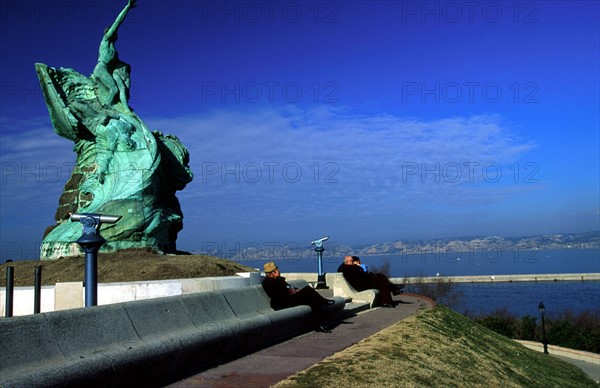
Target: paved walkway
[
  {"x": 271, "y": 365},
  {"x": 586, "y": 361}
]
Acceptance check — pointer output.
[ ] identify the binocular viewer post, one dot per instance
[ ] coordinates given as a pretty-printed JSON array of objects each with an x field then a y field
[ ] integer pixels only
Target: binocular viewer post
[
  {"x": 91, "y": 241},
  {"x": 319, "y": 249}
]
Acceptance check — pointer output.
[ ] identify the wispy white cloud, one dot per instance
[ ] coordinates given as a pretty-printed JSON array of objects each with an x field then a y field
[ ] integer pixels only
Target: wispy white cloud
[
  {"x": 35, "y": 163},
  {"x": 368, "y": 166},
  {"x": 278, "y": 171}
]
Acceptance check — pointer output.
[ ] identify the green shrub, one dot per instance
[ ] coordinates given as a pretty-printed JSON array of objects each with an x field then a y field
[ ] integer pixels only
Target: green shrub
[
  {"x": 581, "y": 331},
  {"x": 502, "y": 322},
  {"x": 442, "y": 289},
  {"x": 526, "y": 328}
]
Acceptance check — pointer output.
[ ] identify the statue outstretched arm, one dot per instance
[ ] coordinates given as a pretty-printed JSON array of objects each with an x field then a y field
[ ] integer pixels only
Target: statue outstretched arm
[
  {"x": 119, "y": 20},
  {"x": 108, "y": 61}
]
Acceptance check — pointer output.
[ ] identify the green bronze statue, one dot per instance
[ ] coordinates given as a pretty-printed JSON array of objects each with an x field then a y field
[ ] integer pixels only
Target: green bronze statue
[{"x": 122, "y": 168}]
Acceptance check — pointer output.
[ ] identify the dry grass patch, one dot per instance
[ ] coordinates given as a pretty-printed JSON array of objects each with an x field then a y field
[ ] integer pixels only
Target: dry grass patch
[
  {"x": 123, "y": 266},
  {"x": 437, "y": 348}
]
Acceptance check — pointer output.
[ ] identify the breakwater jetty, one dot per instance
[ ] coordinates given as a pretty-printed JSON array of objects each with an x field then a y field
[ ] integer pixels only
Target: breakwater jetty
[{"x": 561, "y": 277}]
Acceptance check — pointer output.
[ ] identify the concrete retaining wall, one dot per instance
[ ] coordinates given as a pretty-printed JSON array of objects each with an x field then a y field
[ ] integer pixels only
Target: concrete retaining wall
[
  {"x": 561, "y": 277},
  {"x": 144, "y": 342},
  {"x": 72, "y": 295}
]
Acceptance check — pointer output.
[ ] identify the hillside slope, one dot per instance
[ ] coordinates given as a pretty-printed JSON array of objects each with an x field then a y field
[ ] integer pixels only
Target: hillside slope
[{"x": 439, "y": 348}]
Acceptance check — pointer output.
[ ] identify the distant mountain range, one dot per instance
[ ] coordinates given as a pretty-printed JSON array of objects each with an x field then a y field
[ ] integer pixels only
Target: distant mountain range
[
  {"x": 257, "y": 251},
  {"x": 480, "y": 243}
]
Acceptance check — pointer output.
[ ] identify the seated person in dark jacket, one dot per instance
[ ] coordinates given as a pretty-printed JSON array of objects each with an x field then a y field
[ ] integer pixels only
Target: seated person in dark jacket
[
  {"x": 284, "y": 296},
  {"x": 361, "y": 280}
]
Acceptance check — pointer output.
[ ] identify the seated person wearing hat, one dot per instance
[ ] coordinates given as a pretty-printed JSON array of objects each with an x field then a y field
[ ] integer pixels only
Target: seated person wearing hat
[{"x": 284, "y": 296}]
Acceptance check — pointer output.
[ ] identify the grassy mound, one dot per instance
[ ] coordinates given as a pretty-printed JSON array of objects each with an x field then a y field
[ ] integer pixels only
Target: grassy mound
[
  {"x": 440, "y": 348},
  {"x": 123, "y": 266}
]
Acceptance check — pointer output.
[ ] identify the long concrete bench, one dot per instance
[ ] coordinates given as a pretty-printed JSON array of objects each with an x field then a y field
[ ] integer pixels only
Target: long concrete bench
[
  {"x": 146, "y": 342},
  {"x": 341, "y": 288}
]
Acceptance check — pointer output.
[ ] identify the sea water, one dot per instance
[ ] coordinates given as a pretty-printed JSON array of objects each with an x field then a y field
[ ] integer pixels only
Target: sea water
[{"x": 523, "y": 298}]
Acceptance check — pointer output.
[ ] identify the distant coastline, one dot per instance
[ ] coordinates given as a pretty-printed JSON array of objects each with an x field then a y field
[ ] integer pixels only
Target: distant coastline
[
  {"x": 589, "y": 240},
  {"x": 442, "y": 250},
  {"x": 256, "y": 251}
]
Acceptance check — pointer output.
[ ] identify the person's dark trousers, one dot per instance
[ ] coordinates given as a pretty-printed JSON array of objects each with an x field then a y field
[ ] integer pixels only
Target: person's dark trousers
[
  {"x": 310, "y": 297},
  {"x": 382, "y": 283}
]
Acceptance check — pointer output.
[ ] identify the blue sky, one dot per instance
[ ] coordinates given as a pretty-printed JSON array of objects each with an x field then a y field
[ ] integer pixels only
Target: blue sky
[{"x": 367, "y": 121}]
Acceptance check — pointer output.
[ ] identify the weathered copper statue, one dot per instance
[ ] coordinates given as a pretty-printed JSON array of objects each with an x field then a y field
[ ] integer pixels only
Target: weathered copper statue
[{"x": 122, "y": 167}]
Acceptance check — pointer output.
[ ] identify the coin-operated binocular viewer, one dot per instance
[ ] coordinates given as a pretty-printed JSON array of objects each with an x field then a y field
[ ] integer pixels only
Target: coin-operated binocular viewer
[
  {"x": 91, "y": 241},
  {"x": 319, "y": 249}
]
